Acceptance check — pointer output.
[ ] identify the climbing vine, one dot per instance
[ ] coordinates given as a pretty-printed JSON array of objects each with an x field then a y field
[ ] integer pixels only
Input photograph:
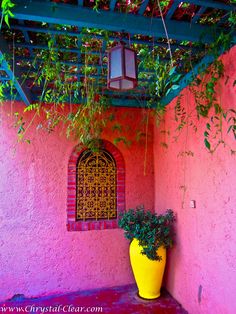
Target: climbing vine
[{"x": 59, "y": 88}]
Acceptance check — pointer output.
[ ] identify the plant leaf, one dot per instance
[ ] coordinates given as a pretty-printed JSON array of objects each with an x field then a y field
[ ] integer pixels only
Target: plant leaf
[
  {"x": 207, "y": 144},
  {"x": 172, "y": 71},
  {"x": 174, "y": 87}
]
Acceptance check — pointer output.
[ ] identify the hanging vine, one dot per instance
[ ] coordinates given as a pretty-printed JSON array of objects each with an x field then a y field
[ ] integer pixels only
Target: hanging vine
[{"x": 59, "y": 88}]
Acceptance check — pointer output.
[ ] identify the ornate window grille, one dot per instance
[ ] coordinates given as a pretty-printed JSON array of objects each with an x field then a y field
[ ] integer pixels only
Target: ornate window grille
[{"x": 96, "y": 186}]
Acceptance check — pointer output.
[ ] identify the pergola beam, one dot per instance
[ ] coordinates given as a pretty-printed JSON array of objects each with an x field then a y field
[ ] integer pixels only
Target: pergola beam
[
  {"x": 116, "y": 102},
  {"x": 190, "y": 76},
  {"x": 79, "y": 36},
  {"x": 78, "y": 15},
  {"x": 172, "y": 9},
  {"x": 208, "y": 3},
  {"x": 113, "y": 5},
  {"x": 13, "y": 72},
  {"x": 143, "y": 7},
  {"x": 198, "y": 14},
  {"x": 50, "y": 12},
  {"x": 212, "y": 4}
]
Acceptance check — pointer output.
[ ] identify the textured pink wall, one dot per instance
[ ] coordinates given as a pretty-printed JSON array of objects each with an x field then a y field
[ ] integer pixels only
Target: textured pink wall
[
  {"x": 38, "y": 256},
  {"x": 202, "y": 270}
]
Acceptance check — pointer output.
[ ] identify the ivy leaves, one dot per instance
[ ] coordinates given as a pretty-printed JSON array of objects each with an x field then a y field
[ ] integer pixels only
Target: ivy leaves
[
  {"x": 163, "y": 77},
  {"x": 218, "y": 127},
  {"x": 6, "y": 7},
  {"x": 166, "y": 79}
]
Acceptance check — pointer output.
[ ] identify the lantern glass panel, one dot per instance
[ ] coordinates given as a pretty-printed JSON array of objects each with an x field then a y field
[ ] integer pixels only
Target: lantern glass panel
[
  {"x": 116, "y": 63},
  {"x": 125, "y": 84},
  {"x": 130, "y": 69},
  {"x": 115, "y": 84}
]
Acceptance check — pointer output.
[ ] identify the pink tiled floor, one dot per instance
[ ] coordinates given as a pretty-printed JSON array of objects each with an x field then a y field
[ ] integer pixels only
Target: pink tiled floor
[{"x": 118, "y": 300}]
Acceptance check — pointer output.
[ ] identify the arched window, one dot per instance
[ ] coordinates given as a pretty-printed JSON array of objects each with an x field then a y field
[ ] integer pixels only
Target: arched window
[{"x": 96, "y": 188}]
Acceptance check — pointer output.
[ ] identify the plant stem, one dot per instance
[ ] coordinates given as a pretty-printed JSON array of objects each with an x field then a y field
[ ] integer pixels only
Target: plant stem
[
  {"x": 167, "y": 36},
  {"x": 146, "y": 144},
  {"x": 1, "y": 21}
]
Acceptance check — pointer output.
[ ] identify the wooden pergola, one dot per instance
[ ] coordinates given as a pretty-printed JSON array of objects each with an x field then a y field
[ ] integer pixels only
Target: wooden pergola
[{"x": 79, "y": 29}]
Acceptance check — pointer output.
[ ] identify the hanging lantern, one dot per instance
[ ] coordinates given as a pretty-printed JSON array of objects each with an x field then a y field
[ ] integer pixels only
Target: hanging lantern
[{"x": 122, "y": 68}]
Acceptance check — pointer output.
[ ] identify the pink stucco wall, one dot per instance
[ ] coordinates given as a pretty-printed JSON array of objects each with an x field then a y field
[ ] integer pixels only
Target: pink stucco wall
[
  {"x": 38, "y": 256},
  {"x": 201, "y": 272}
]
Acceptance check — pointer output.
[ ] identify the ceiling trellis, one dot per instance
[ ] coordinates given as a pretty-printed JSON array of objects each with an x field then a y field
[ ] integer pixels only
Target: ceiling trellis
[{"x": 78, "y": 29}]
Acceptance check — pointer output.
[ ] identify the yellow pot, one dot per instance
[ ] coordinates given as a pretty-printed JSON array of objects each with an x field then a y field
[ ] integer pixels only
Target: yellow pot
[{"x": 147, "y": 273}]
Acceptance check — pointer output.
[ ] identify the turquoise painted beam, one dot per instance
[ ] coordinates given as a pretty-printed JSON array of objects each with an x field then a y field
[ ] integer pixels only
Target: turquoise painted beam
[
  {"x": 198, "y": 14},
  {"x": 13, "y": 73},
  {"x": 212, "y": 4},
  {"x": 143, "y": 7},
  {"x": 125, "y": 102},
  {"x": 79, "y": 65},
  {"x": 134, "y": 103},
  {"x": 4, "y": 79},
  {"x": 45, "y": 47},
  {"x": 50, "y": 12},
  {"x": 112, "y": 5},
  {"x": 79, "y": 36},
  {"x": 223, "y": 19},
  {"x": 26, "y": 36},
  {"x": 117, "y": 102},
  {"x": 189, "y": 77},
  {"x": 76, "y": 51},
  {"x": 207, "y": 3},
  {"x": 172, "y": 9}
]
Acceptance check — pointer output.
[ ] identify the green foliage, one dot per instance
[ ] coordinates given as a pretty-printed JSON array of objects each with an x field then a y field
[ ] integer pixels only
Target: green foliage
[
  {"x": 204, "y": 89},
  {"x": 88, "y": 121},
  {"x": 163, "y": 77},
  {"x": 32, "y": 107},
  {"x": 2, "y": 89},
  {"x": 6, "y": 7},
  {"x": 164, "y": 3},
  {"x": 218, "y": 127},
  {"x": 4, "y": 86},
  {"x": 122, "y": 139},
  {"x": 129, "y": 5},
  {"x": 166, "y": 78},
  {"x": 84, "y": 122},
  {"x": 150, "y": 229},
  {"x": 232, "y": 18}
]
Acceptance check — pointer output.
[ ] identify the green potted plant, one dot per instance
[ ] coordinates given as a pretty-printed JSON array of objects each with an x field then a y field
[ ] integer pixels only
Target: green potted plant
[{"x": 150, "y": 236}]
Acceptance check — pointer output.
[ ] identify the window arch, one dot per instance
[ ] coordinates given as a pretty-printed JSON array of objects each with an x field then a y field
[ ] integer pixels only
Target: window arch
[{"x": 96, "y": 188}]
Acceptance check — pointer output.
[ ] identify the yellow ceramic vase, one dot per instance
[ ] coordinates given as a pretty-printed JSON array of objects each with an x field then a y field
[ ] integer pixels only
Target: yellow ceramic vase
[{"x": 147, "y": 273}]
